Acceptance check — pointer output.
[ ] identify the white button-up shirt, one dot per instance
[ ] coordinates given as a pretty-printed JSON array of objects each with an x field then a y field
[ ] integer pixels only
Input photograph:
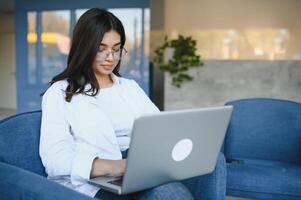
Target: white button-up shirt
[{"x": 74, "y": 134}]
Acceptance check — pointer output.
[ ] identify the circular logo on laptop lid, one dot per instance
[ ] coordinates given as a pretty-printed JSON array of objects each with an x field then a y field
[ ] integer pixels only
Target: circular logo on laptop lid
[{"x": 182, "y": 150}]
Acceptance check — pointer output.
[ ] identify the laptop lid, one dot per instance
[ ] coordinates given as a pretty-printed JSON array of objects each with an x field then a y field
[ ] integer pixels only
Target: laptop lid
[{"x": 174, "y": 145}]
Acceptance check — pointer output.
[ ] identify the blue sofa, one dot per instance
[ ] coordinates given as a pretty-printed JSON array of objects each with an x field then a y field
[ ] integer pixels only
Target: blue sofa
[
  {"x": 263, "y": 149},
  {"x": 22, "y": 175}
]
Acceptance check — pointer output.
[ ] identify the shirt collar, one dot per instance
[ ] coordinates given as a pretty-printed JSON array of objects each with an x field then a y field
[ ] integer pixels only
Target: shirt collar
[{"x": 116, "y": 79}]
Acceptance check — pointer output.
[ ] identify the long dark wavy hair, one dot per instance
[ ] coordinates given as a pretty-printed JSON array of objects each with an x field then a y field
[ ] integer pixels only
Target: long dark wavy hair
[{"x": 87, "y": 36}]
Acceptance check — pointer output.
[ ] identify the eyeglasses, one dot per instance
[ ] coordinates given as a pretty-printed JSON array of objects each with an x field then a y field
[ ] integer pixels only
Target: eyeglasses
[{"x": 117, "y": 54}]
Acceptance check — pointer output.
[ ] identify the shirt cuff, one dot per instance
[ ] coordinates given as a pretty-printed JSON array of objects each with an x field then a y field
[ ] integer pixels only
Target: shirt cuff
[{"x": 81, "y": 169}]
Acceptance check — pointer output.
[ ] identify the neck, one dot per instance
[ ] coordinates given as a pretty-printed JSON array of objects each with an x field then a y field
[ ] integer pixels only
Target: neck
[{"x": 104, "y": 81}]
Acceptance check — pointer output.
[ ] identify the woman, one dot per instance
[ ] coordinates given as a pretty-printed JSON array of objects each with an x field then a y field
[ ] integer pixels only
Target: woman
[{"x": 88, "y": 112}]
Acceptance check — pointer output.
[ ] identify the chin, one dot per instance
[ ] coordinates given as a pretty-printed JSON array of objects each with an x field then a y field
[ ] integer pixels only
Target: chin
[{"x": 105, "y": 72}]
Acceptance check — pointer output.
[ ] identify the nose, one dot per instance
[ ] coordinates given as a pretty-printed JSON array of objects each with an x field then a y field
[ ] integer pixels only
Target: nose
[{"x": 110, "y": 56}]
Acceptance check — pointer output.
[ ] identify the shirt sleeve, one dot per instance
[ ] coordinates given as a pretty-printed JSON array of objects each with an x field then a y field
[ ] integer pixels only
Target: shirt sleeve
[
  {"x": 148, "y": 106},
  {"x": 58, "y": 150}
]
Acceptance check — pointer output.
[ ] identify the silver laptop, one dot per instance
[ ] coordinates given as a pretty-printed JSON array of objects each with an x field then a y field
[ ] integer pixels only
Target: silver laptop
[{"x": 170, "y": 146}]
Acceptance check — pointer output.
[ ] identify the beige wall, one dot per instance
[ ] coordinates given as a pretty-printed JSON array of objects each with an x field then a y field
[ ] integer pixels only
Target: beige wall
[
  {"x": 232, "y": 29},
  {"x": 7, "y": 62},
  {"x": 192, "y": 14}
]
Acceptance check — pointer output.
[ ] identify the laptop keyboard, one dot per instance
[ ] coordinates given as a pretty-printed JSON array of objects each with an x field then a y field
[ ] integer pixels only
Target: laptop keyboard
[{"x": 116, "y": 182}]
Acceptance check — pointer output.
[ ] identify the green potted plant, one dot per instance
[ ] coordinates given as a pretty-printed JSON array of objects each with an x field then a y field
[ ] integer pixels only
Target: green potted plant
[{"x": 176, "y": 57}]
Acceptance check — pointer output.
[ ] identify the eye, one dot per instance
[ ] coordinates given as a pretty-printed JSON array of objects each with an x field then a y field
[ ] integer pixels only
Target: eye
[
  {"x": 116, "y": 47},
  {"x": 116, "y": 50},
  {"x": 101, "y": 50}
]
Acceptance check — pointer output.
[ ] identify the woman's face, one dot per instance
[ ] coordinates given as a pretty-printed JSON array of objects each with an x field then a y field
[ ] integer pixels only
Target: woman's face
[{"x": 108, "y": 54}]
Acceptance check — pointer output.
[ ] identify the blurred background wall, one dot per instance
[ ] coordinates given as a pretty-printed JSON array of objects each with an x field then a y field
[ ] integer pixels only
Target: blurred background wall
[{"x": 250, "y": 49}]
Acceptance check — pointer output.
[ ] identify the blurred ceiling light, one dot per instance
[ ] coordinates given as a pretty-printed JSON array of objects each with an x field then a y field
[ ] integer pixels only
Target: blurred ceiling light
[
  {"x": 258, "y": 51},
  {"x": 232, "y": 33},
  {"x": 226, "y": 40}
]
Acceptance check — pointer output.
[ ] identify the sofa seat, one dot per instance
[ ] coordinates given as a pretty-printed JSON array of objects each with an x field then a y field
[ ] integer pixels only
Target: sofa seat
[
  {"x": 264, "y": 179},
  {"x": 17, "y": 183}
]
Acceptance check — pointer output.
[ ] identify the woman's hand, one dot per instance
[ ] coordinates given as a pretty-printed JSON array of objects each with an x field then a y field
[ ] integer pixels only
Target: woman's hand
[
  {"x": 101, "y": 167},
  {"x": 117, "y": 167}
]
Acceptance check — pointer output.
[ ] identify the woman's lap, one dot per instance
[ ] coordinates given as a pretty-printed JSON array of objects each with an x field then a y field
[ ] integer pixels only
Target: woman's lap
[{"x": 172, "y": 191}]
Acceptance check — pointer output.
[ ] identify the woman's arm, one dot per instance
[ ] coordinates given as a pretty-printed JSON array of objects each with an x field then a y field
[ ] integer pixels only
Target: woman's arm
[
  {"x": 102, "y": 167},
  {"x": 57, "y": 146}
]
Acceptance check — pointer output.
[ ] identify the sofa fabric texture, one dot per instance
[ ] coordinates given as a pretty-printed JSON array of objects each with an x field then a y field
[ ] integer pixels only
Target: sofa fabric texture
[{"x": 263, "y": 149}]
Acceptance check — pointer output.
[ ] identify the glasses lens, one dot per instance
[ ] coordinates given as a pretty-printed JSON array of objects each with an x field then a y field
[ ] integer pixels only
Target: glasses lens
[
  {"x": 101, "y": 55},
  {"x": 117, "y": 54}
]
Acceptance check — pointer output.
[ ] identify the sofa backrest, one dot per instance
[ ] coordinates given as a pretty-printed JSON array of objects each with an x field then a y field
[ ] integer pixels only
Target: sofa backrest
[
  {"x": 19, "y": 141},
  {"x": 267, "y": 129}
]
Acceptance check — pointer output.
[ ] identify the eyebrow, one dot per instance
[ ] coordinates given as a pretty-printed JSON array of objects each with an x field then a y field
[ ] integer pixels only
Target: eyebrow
[{"x": 102, "y": 44}]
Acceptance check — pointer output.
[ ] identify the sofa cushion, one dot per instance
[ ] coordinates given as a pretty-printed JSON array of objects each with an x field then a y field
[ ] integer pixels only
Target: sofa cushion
[
  {"x": 264, "y": 129},
  {"x": 266, "y": 177},
  {"x": 19, "y": 141}
]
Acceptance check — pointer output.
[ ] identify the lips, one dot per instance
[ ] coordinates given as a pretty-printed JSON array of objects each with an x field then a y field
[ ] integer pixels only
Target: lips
[{"x": 107, "y": 67}]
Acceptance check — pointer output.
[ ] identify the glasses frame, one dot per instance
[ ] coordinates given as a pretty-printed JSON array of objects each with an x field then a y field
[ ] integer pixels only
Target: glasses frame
[{"x": 117, "y": 54}]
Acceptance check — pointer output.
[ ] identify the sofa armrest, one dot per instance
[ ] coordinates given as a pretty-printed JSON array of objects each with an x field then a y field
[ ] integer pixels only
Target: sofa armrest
[
  {"x": 213, "y": 185},
  {"x": 16, "y": 183}
]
